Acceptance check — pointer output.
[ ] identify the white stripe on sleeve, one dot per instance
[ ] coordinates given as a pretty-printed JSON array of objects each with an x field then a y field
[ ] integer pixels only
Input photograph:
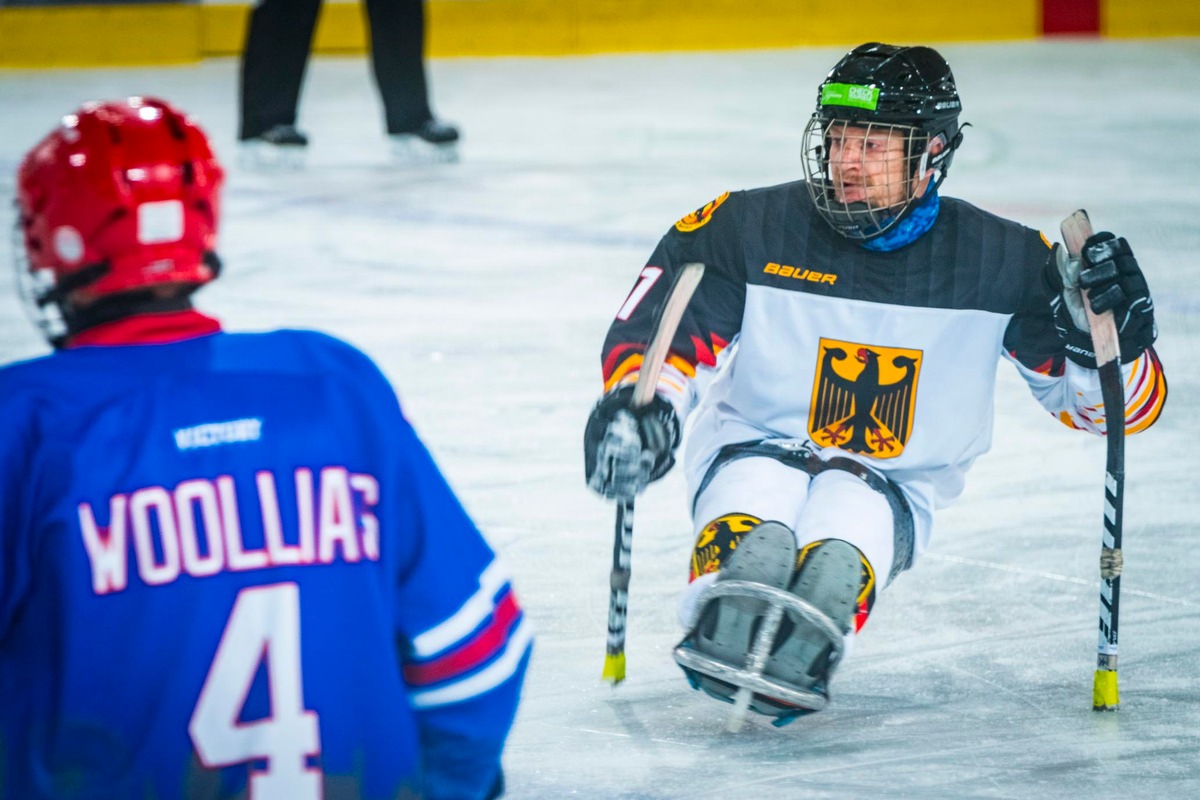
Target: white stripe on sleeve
[
  {"x": 467, "y": 618},
  {"x": 486, "y": 679}
]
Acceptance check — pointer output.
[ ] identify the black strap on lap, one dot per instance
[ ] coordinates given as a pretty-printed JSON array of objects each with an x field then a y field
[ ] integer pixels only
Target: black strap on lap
[{"x": 801, "y": 457}]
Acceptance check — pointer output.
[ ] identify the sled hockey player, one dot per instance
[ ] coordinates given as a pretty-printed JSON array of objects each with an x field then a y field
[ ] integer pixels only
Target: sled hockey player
[
  {"x": 228, "y": 567},
  {"x": 836, "y": 366}
]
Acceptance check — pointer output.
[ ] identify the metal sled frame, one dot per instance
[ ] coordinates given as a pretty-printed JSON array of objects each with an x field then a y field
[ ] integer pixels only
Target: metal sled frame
[{"x": 749, "y": 677}]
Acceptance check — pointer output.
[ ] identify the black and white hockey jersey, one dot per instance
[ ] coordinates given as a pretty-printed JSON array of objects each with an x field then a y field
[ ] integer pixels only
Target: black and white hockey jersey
[{"x": 889, "y": 357}]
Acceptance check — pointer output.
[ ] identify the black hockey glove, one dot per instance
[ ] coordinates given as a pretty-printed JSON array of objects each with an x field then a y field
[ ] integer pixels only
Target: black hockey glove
[
  {"x": 1113, "y": 279},
  {"x": 625, "y": 448}
]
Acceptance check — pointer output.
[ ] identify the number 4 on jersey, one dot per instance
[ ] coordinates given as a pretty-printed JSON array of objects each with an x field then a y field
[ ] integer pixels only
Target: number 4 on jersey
[{"x": 264, "y": 623}]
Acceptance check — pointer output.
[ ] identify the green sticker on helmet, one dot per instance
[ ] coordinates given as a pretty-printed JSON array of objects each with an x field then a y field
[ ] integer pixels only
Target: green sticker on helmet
[{"x": 849, "y": 94}]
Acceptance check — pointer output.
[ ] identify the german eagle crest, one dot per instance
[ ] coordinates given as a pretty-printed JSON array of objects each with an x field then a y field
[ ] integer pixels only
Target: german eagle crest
[{"x": 863, "y": 398}]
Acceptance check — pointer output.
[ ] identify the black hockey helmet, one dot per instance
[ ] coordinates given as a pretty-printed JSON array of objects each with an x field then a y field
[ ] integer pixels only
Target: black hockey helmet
[{"x": 883, "y": 86}]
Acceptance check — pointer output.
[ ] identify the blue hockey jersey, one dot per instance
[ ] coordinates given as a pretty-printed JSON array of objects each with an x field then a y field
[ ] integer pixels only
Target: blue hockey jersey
[{"x": 229, "y": 568}]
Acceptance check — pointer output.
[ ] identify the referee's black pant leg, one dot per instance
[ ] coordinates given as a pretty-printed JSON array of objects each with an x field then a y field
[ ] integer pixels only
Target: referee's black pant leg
[
  {"x": 278, "y": 39},
  {"x": 397, "y": 32}
]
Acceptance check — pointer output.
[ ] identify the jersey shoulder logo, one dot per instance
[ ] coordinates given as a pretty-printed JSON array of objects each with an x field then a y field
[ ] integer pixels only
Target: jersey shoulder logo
[
  {"x": 863, "y": 403},
  {"x": 700, "y": 217}
]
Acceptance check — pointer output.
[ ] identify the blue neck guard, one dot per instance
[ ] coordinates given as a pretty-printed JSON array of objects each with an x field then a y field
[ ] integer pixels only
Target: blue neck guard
[{"x": 911, "y": 228}]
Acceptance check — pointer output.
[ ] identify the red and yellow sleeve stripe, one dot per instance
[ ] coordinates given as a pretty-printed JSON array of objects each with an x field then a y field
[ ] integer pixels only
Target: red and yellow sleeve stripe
[
  {"x": 625, "y": 361},
  {"x": 1145, "y": 392}
]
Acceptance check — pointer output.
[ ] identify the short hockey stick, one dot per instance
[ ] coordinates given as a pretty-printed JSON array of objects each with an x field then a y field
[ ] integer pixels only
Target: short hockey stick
[
  {"x": 669, "y": 316},
  {"x": 1075, "y": 231}
]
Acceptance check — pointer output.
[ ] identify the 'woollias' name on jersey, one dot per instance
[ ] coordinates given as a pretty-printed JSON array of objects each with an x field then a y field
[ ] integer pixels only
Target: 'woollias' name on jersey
[{"x": 194, "y": 528}]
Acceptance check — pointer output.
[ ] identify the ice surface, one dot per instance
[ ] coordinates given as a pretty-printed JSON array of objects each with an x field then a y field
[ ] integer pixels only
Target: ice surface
[{"x": 483, "y": 289}]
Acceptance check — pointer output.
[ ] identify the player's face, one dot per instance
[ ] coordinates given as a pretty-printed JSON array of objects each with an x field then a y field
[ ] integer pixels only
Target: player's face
[{"x": 868, "y": 164}]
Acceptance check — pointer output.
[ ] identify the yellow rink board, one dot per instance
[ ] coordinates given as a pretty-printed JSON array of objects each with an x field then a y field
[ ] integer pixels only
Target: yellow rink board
[{"x": 81, "y": 36}]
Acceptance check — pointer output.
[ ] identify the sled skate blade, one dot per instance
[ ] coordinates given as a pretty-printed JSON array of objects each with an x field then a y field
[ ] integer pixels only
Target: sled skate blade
[{"x": 731, "y": 678}]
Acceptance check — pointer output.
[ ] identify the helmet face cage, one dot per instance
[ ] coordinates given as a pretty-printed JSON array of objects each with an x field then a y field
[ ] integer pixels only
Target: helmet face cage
[
  {"x": 34, "y": 287},
  {"x": 864, "y": 176}
]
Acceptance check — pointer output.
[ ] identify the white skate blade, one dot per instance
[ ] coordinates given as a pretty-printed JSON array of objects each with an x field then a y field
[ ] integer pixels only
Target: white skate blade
[
  {"x": 267, "y": 157},
  {"x": 408, "y": 148}
]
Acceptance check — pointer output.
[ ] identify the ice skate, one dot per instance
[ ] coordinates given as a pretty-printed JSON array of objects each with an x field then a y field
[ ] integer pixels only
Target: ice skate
[
  {"x": 435, "y": 142},
  {"x": 281, "y": 147}
]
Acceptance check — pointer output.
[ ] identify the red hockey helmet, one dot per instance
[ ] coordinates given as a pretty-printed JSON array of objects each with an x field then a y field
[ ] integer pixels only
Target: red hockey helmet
[{"x": 123, "y": 195}]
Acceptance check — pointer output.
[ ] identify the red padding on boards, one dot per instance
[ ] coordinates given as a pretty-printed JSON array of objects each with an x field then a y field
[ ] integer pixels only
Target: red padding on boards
[{"x": 1070, "y": 16}]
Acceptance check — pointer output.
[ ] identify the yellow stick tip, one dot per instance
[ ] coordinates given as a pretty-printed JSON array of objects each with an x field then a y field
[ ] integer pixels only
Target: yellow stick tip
[
  {"x": 614, "y": 668},
  {"x": 1104, "y": 691}
]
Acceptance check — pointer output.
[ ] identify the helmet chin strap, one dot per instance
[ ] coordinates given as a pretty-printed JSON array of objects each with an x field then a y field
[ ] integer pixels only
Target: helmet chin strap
[
  {"x": 923, "y": 165},
  {"x": 211, "y": 261},
  {"x": 77, "y": 280},
  {"x": 946, "y": 153}
]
